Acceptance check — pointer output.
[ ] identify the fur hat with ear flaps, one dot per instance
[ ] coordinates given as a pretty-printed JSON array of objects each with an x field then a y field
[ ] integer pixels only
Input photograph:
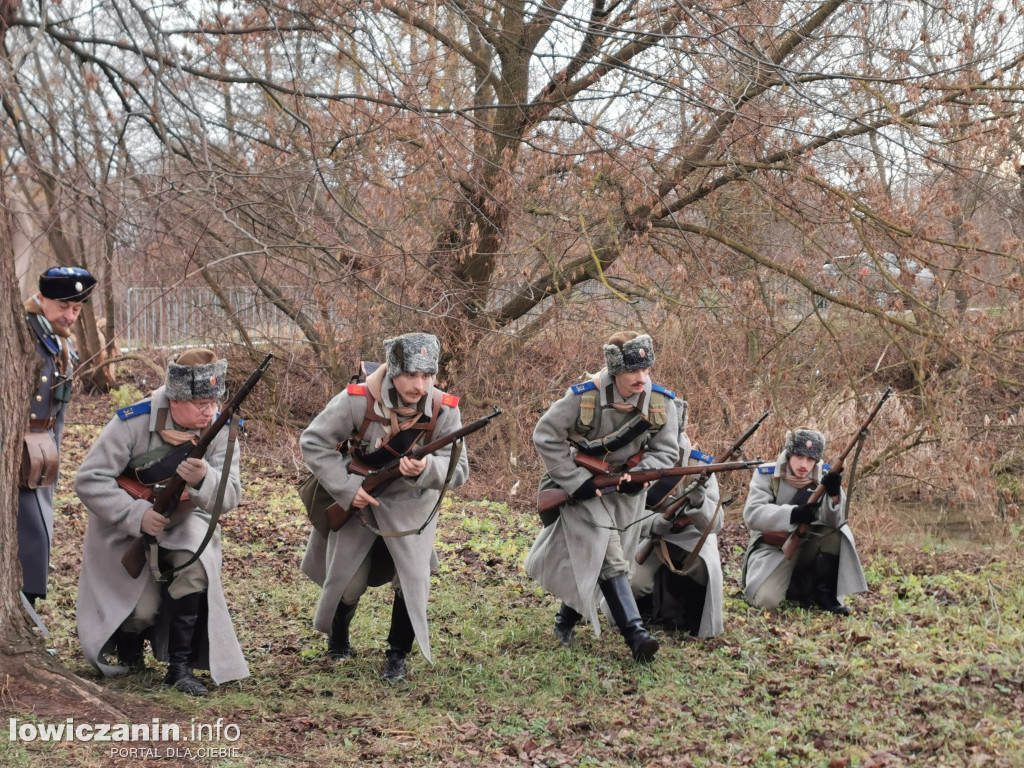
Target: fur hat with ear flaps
[
  {"x": 412, "y": 353},
  {"x": 196, "y": 374},
  {"x": 634, "y": 354},
  {"x": 805, "y": 442}
]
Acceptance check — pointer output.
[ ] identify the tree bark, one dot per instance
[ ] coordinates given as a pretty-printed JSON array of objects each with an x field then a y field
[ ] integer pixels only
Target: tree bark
[{"x": 24, "y": 662}]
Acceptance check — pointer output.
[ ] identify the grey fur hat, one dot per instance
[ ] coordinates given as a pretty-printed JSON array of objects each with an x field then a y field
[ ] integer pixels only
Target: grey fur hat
[
  {"x": 196, "y": 374},
  {"x": 805, "y": 442},
  {"x": 412, "y": 353},
  {"x": 635, "y": 354}
]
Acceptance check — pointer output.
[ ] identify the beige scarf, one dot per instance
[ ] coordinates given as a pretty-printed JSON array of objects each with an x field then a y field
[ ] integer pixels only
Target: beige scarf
[
  {"x": 375, "y": 383},
  {"x": 798, "y": 482},
  {"x": 63, "y": 363}
]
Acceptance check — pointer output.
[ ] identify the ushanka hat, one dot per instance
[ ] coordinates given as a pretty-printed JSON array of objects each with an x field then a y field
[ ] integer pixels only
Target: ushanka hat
[
  {"x": 805, "y": 442},
  {"x": 412, "y": 353},
  {"x": 66, "y": 284},
  {"x": 632, "y": 356},
  {"x": 196, "y": 374}
]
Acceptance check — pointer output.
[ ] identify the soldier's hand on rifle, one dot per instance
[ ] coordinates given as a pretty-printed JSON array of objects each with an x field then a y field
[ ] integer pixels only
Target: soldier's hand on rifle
[
  {"x": 153, "y": 522},
  {"x": 586, "y": 491},
  {"x": 696, "y": 497},
  {"x": 833, "y": 483},
  {"x": 660, "y": 526},
  {"x": 362, "y": 498},
  {"x": 804, "y": 514},
  {"x": 410, "y": 467},
  {"x": 192, "y": 471},
  {"x": 628, "y": 487}
]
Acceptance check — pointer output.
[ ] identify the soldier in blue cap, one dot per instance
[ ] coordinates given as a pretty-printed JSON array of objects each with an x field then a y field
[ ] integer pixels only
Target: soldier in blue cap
[{"x": 50, "y": 314}]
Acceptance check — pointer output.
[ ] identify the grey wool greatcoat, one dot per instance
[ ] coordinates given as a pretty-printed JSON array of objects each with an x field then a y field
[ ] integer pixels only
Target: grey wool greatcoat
[
  {"x": 567, "y": 557},
  {"x": 711, "y": 622},
  {"x": 35, "y": 505},
  {"x": 107, "y": 594},
  {"x": 766, "y": 511},
  {"x": 404, "y": 505}
]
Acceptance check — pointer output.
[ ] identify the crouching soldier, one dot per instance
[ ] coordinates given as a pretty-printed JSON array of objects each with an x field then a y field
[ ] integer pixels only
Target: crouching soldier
[
  {"x": 185, "y": 618},
  {"x": 690, "y": 600},
  {"x": 392, "y": 540},
  {"x": 585, "y": 550},
  {"x": 825, "y": 566}
]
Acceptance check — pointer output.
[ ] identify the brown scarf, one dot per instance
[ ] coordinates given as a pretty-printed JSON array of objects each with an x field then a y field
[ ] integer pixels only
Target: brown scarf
[
  {"x": 375, "y": 383},
  {"x": 171, "y": 436},
  {"x": 64, "y": 362}
]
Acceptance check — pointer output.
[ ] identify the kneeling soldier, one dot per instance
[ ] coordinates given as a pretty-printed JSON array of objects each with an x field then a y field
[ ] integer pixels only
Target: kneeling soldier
[
  {"x": 666, "y": 595},
  {"x": 187, "y": 619},
  {"x": 825, "y": 566}
]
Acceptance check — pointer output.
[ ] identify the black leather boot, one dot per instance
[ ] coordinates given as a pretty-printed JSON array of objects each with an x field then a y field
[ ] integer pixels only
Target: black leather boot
[
  {"x": 184, "y": 616},
  {"x": 129, "y": 650},
  {"x": 400, "y": 639},
  {"x": 694, "y": 595},
  {"x": 826, "y": 568},
  {"x": 566, "y": 620},
  {"x": 338, "y": 644},
  {"x": 623, "y": 608}
]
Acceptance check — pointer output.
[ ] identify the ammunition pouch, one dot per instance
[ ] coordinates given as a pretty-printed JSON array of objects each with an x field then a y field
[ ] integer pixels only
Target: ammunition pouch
[
  {"x": 39, "y": 461},
  {"x": 157, "y": 467}
]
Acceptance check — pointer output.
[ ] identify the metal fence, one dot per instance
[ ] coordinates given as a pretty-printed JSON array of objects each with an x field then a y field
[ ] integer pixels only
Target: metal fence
[{"x": 156, "y": 317}]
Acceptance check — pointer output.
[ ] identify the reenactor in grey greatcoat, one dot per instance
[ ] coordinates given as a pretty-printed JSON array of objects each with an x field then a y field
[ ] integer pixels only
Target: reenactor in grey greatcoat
[
  {"x": 690, "y": 600},
  {"x": 622, "y": 417},
  {"x": 177, "y": 602},
  {"x": 825, "y": 566},
  {"x": 390, "y": 536},
  {"x": 50, "y": 315}
]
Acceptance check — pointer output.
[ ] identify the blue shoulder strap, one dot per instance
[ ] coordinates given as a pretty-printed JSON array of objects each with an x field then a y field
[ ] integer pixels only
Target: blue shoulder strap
[
  {"x": 586, "y": 386},
  {"x": 138, "y": 409},
  {"x": 701, "y": 456},
  {"x": 666, "y": 392},
  {"x": 766, "y": 469}
]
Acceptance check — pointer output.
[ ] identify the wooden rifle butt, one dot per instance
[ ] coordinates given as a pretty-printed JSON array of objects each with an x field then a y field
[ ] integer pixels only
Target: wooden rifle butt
[
  {"x": 134, "y": 558},
  {"x": 337, "y": 516}
]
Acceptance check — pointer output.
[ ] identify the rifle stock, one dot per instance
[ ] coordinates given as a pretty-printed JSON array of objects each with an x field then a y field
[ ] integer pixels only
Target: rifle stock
[
  {"x": 793, "y": 540},
  {"x": 164, "y": 502},
  {"x": 377, "y": 479},
  {"x": 672, "y": 511}
]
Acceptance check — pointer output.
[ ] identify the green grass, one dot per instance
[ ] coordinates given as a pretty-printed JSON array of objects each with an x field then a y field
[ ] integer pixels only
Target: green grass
[{"x": 928, "y": 671}]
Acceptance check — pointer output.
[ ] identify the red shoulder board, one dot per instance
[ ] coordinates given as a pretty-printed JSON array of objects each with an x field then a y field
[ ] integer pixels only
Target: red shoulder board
[
  {"x": 450, "y": 400},
  {"x": 357, "y": 389}
]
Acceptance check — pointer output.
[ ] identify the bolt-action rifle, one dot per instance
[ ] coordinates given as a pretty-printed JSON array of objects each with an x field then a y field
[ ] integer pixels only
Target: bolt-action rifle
[
  {"x": 164, "y": 501},
  {"x": 379, "y": 478},
  {"x": 673, "y": 511},
  {"x": 605, "y": 478},
  {"x": 793, "y": 540}
]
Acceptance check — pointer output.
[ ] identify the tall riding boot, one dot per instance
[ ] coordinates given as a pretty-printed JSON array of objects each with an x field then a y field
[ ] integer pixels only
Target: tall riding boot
[
  {"x": 566, "y": 620},
  {"x": 129, "y": 650},
  {"x": 694, "y": 595},
  {"x": 826, "y": 569},
  {"x": 184, "y": 617},
  {"x": 337, "y": 644},
  {"x": 400, "y": 639},
  {"x": 623, "y": 608}
]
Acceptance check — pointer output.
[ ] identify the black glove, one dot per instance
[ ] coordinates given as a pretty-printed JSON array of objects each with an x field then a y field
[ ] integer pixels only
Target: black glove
[
  {"x": 833, "y": 482},
  {"x": 804, "y": 514},
  {"x": 630, "y": 488},
  {"x": 586, "y": 491}
]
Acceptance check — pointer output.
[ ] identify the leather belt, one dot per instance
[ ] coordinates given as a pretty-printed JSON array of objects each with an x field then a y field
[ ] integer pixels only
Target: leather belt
[{"x": 42, "y": 424}]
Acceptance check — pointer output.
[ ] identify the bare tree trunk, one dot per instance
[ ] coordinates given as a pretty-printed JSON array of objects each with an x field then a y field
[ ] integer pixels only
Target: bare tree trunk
[{"x": 24, "y": 663}]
